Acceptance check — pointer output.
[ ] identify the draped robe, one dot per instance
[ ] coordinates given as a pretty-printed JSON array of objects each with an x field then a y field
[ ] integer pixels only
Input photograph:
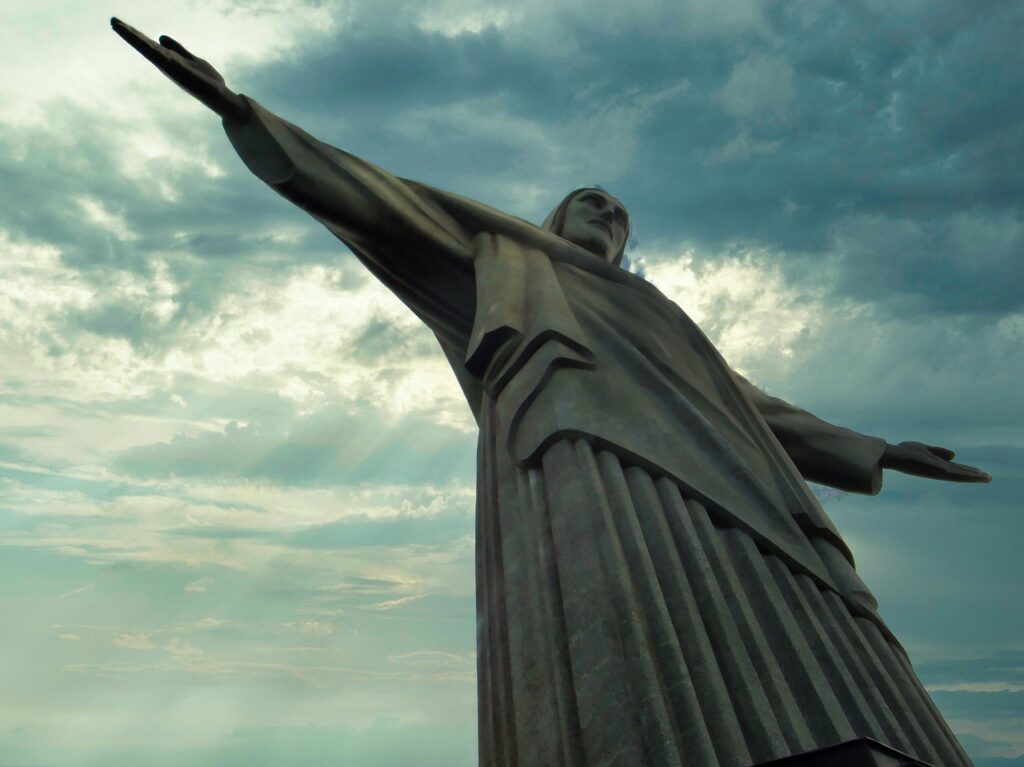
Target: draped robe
[{"x": 656, "y": 584}]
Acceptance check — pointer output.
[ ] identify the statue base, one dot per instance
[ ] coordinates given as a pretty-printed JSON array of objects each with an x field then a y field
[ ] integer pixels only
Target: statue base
[{"x": 863, "y": 752}]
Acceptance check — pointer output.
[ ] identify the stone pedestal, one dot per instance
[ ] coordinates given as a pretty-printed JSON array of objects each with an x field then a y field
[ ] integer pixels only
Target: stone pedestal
[{"x": 862, "y": 752}]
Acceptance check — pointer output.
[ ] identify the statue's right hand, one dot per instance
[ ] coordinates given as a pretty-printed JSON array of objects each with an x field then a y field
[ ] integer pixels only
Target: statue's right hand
[{"x": 194, "y": 75}]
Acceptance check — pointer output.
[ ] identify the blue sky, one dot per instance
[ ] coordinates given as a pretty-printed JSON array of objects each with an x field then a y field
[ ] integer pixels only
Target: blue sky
[{"x": 237, "y": 477}]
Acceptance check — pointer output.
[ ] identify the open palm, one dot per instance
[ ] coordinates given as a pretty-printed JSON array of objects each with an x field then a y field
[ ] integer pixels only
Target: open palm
[{"x": 930, "y": 461}]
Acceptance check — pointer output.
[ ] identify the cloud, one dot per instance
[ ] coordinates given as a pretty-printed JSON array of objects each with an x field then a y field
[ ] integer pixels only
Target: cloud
[
  {"x": 758, "y": 87},
  {"x": 317, "y": 628},
  {"x": 981, "y": 687},
  {"x": 199, "y": 586},
  {"x": 311, "y": 450},
  {"x": 432, "y": 658},
  {"x": 79, "y": 590},
  {"x": 391, "y": 604},
  {"x": 200, "y": 386},
  {"x": 134, "y": 642},
  {"x": 182, "y": 647},
  {"x": 116, "y": 78}
]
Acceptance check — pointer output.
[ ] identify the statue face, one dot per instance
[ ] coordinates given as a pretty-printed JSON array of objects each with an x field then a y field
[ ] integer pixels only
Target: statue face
[{"x": 597, "y": 222}]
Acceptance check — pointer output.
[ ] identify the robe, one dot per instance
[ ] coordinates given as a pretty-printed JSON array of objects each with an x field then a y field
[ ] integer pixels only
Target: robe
[{"x": 656, "y": 585}]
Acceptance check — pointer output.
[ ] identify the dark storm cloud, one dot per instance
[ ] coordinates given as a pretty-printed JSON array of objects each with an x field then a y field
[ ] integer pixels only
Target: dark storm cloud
[
  {"x": 368, "y": 70},
  {"x": 890, "y": 134}
]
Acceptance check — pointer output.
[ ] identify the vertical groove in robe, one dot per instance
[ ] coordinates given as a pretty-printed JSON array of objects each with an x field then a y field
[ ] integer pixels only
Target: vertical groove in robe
[
  {"x": 912, "y": 705},
  {"x": 620, "y": 626},
  {"x": 784, "y": 704},
  {"x": 498, "y": 737},
  {"x": 917, "y": 699},
  {"x": 836, "y": 669},
  {"x": 786, "y": 635},
  {"x": 610, "y": 720},
  {"x": 884, "y": 681},
  {"x": 561, "y": 669},
  {"x": 656, "y": 668},
  {"x": 537, "y": 681},
  {"x": 707, "y": 698},
  {"x": 949, "y": 739},
  {"x": 757, "y": 719},
  {"x": 893, "y": 732}
]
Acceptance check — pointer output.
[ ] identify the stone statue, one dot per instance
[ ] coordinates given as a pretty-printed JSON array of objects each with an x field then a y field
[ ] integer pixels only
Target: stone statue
[{"x": 656, "y": 585}]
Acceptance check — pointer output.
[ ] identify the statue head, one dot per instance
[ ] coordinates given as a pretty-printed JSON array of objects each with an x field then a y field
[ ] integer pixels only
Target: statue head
[{"x": 594, "y": 220}]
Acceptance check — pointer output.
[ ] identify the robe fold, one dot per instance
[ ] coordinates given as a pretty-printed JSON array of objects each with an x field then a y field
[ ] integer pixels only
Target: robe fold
[{"x": 656, "y": 585}]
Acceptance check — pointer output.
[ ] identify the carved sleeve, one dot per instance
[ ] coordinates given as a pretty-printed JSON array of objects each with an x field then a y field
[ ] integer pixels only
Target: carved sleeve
[
  {"x": 405, "y": 238},
  {"x": 824, "y": 453}
]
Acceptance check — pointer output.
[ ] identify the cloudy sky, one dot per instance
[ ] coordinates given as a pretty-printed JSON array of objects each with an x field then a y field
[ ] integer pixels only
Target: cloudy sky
[{"x": 236, "y": 476}]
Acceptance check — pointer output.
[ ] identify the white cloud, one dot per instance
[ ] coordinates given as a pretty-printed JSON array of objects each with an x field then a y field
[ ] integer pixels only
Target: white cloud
[
  {"x": 976, "y": 687},
  {"x": 741, "y": 300},
  {"x": 432, "y": 658},
  {"x": 79, "y": 590},
  {"x": 742, "y": 147},
  {"x": 456, "y": 17},
  {"x": 97, "y": 213},
  {"x": 200, "y": 586},
  {"x": 74, "y": 55},
  {"x": 760, "y": 86},
  {"x": 134, "y": 642},
  {"x": 391, "y": 604},
  {"x": 311, "y": 674},
  {"x": 182, "y": 647},
  {"x": 318, "y": 628}
]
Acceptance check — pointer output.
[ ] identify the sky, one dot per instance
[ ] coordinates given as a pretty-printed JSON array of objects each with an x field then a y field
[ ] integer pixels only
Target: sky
[{"x": 237, "y": 476}]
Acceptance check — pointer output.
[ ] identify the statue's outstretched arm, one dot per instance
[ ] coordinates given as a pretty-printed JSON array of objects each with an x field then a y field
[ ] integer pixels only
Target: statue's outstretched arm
[
  {"x": 404, "y": 236},
  {"x": 367, "y": 207},
  {"x": 195, "y": 76},
  {"x": 832, "y": 455}
]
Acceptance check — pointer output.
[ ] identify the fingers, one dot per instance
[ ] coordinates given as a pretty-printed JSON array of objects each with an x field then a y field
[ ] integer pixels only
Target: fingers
[
  {"x": 941, "y": 452},
  {"x": 932, "y": 462},
  {"x": 174, "y": 45},
  {"x": 157, "y": 53},
  {"x": 130, "y": 34},
  {"x": 963, "y": 473},
  {"x": 139, "y": 42}
]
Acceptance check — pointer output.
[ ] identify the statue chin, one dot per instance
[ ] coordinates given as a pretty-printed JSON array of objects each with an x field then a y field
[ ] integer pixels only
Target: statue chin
[{"x": 593, "y": 245}]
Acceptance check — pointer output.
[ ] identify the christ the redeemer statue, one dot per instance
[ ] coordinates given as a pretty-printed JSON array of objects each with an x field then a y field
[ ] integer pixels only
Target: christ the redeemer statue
[{"x": 656, "y": 585}]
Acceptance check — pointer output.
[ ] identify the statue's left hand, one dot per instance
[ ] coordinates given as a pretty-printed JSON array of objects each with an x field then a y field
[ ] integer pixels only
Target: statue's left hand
[{"x": 929, "y": 461}]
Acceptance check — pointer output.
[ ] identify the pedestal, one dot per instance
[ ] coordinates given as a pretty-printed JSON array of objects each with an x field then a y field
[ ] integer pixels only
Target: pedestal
[{"x": 862, "y": 752}]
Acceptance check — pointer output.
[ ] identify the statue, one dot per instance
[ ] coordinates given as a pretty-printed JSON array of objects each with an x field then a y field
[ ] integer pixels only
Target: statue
[{"x": 656, "y": 585}]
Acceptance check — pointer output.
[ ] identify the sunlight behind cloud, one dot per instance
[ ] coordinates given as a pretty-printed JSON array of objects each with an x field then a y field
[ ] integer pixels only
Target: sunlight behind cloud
[
  {"x": 742, "y": 301},
  {"x": 111, "y": 74}
]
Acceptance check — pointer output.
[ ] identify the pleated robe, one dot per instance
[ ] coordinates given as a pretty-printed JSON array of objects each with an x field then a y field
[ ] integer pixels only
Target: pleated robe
[{"x": 655, "y": 583}]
